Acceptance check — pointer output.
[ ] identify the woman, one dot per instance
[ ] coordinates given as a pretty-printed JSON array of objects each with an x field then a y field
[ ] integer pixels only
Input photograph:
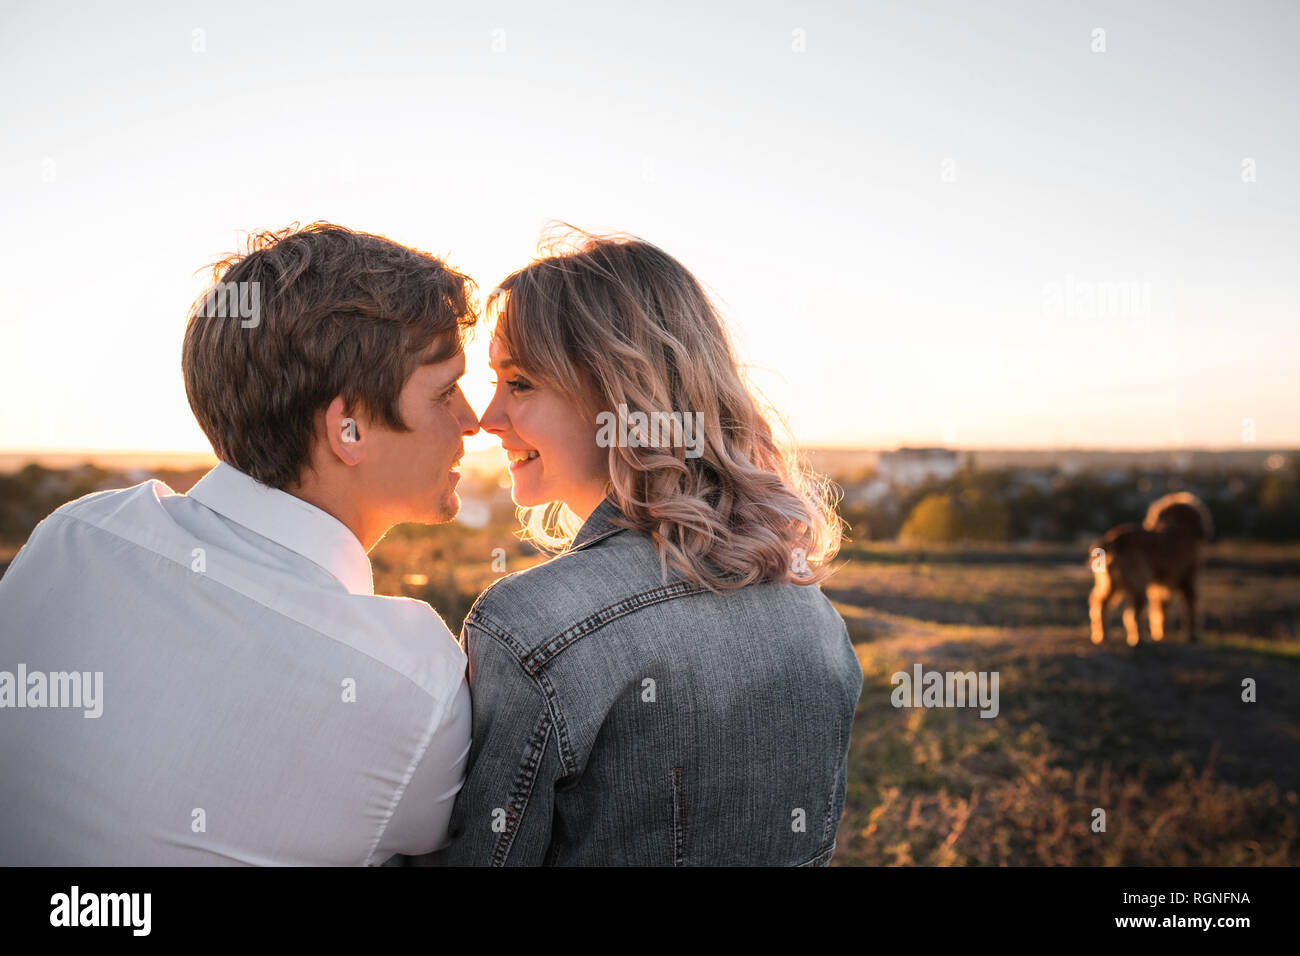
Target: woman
[{"x": 672, "y": 688}]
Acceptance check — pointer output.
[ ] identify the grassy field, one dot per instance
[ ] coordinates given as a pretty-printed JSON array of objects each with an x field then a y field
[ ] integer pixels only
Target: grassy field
[{"x": 1157, "y": 736}]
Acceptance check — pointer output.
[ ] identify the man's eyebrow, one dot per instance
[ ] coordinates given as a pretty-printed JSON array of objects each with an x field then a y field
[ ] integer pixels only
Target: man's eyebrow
[
  {"x": 443, "y": 386},
  {"x": 435, "y": 361},
  {"x": 449, "y": 382}
]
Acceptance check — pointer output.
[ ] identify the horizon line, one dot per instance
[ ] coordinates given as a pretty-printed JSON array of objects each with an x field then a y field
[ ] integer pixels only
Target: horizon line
[{"x": 1147, "y": 449}]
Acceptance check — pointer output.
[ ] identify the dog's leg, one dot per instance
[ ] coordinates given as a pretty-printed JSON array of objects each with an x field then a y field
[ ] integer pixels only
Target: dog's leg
[
  {"x": 1188, "y": 588},
  {"x": 1156, "y": 613},
  {"x": 1133, "y": 616},
  {"x": 1097, "y": 602}
]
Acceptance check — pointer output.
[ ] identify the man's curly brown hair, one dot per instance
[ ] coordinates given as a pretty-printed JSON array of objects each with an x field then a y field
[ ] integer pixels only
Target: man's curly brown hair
[{"x": 339, "y": 313}]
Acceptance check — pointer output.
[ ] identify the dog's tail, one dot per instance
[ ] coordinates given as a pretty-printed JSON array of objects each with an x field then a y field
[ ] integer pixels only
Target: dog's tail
[
  {"x": 1101, "y": 553},
  {"x": 1181, "y": 509},
  {"x": 1098, "y": 558}
]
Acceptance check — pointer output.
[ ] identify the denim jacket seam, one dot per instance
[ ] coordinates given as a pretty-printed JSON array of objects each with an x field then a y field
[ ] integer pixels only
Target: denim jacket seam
[
  {"x": 568, "y": 760},
  {"x": 828, "y": 830},
  {"x": 478, "y": 619},
  {"x": 534, "y": 662},
  {"x": 525, "y": 779},
  {"x": 550, "y": 697},
  {"x": 679, "y": 817},
  {"x": 823, "y": 855},
  {"x": 540, "y": 656},
  {"x": 521, "y": 789}
]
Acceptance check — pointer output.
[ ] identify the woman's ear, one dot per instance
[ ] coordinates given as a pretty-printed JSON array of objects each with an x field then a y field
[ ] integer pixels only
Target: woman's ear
[{"x": 344, "y": 433}]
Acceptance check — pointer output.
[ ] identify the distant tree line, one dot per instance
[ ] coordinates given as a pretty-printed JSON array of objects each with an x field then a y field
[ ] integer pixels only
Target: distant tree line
[
  {"x": 1005, "y": 506},
  {"x": 27, "y": 496}
]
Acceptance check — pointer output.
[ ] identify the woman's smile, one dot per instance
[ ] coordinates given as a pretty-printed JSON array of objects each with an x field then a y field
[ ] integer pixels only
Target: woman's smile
[{"x": 520, "y": 457}]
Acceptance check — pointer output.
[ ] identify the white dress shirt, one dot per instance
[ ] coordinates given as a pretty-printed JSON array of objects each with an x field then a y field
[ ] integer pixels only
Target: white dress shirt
[{"x": 258, "y": 704}]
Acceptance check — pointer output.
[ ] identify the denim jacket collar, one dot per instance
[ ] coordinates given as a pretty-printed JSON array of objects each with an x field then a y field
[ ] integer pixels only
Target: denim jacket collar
[{"x": 599, "y": 524}]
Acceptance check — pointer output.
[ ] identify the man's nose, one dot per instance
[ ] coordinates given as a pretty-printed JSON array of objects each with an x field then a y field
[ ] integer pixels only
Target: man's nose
[{"x": 471, "y": 422}]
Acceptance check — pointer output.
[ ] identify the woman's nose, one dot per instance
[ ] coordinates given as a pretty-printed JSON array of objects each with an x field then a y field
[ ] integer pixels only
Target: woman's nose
[{"x": 493, "y": 420}]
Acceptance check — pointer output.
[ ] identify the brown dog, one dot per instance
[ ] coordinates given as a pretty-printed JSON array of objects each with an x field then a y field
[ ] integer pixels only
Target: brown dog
[{"x": 1146, "y": 563}]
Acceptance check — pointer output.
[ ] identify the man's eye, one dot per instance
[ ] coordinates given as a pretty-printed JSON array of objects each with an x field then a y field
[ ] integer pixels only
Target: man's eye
[{"x": 446, "y": 396}]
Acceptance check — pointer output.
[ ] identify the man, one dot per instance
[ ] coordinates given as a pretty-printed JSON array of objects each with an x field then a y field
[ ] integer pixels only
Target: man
[{"x": 244, "y": 696}]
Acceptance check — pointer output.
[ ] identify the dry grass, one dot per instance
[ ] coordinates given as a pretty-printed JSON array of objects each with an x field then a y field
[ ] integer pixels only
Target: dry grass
[{"x": 1156, "y": 736}]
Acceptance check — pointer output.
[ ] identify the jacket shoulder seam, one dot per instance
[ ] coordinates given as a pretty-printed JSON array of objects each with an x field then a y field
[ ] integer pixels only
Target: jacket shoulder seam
[{"x": 550, "y": 697}]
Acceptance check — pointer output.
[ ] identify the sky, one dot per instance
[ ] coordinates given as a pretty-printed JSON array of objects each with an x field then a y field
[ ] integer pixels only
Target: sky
[{"x": 1017, "y": 225}]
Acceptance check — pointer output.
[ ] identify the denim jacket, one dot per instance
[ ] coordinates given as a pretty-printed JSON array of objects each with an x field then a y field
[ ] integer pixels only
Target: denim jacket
[{"x": 619, "y": 720}]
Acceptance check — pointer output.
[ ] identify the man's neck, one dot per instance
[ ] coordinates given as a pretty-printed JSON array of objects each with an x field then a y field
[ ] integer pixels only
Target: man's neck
[{"x": 340, "y": 507}]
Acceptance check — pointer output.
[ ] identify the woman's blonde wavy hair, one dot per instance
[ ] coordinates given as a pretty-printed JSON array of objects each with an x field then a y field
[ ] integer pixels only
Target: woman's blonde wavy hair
[{"x": 612, "y": 319}]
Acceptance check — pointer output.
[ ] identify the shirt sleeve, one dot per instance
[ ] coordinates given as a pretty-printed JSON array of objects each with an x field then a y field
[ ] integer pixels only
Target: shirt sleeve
[
  {"x": 503, "y": 814},
  {"x": 420, "y": 821}
]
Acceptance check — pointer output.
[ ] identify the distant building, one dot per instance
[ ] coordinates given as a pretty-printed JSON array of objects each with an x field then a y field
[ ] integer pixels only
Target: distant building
[
  {"x": 1071, "y": 465},
  {"x": 911, "y": 466},
  {"x": 871, "y": 492},
  {"x": 1042, "y": 481}
]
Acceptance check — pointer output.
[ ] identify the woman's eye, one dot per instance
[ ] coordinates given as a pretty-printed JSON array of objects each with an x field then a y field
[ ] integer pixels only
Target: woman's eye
[{"x": 516, "y": 385}]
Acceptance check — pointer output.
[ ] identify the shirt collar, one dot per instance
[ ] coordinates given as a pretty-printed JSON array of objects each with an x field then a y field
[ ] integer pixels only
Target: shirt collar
[
  {"x": 599, "y": 524},
  {"x": 289, "y": 521}
]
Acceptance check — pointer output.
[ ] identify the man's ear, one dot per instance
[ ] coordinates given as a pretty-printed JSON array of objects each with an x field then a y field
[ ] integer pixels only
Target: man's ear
[{"x": 344, "y": 434}]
